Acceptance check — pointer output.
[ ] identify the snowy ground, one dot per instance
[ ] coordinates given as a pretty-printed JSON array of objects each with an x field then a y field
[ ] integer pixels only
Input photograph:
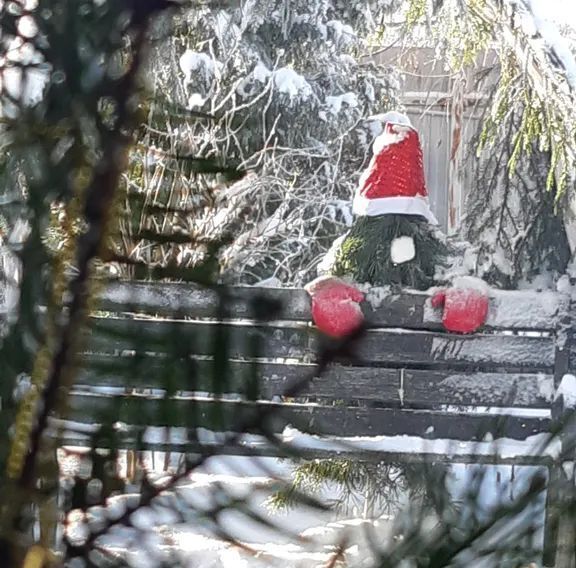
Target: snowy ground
[{"x": 299, "y": 538}]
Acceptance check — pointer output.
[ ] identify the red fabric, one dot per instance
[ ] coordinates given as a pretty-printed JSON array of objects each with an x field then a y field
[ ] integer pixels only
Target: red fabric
[
  {"x": 335, "y": 307},
  {"x": 465, "y": 309},
  {"x": 398, "y": 170}
]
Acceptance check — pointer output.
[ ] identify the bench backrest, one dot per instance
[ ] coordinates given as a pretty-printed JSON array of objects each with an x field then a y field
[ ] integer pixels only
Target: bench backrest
[{"x": 406, "y": 376}]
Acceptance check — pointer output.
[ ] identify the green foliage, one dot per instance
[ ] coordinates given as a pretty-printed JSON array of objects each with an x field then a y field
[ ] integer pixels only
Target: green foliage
[
  {"x": 301, "y": 133},
  {"x": 62, "y": 170},
  {"x": 312, "y": 476},
  {"x": 365, "y": 252},
  {"x": 65, "y": 144},
  {"x": 531, "y": 84},
  {"x": 516, "y": 224},
  {"x": 374, "y": 488}
]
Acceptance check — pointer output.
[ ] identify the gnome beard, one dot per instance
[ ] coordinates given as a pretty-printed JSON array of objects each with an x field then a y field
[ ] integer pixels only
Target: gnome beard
[{"x": 366, "y": 253}]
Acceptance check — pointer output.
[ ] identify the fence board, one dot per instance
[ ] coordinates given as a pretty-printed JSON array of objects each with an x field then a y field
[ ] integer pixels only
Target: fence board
[
  {"x": 393, "y": 347},
  {"x": 199, "y": 338},
  {"x": 460, "y": 351},
  {"x": 412, "y": 388},
  {"x": 328, "y": 420},
  {"x": 520, "y": 390}
]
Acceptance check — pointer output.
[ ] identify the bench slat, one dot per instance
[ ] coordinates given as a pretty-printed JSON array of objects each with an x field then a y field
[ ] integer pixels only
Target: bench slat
[
  {"x": 199, "y": 338},
  {"x": 519, "y": 390},
  {"x": 409, "y": 310},
  {"x": 392, "y": 347},
  {"x": 329, "y": 420},
  {"x": 413, "y": 388},
  {"x": 464, "y": 351}
]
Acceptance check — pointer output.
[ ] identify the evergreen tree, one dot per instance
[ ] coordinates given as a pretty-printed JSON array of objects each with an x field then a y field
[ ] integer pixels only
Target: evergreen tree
[
  {"x": 520, "y": 205},
  {"x": 289, "y": 91},
  {"x": 517, "y": 227}
]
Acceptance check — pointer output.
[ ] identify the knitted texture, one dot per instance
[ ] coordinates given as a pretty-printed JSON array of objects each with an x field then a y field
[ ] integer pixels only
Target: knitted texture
[{"x": 397, "y": 170}]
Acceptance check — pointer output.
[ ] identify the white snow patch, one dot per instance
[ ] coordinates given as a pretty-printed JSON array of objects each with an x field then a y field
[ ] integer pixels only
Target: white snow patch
[
  {"x": 505, "y": 448},
  {"x": 471, "y": 283},
  {"x": 567, "y": 390},
  {"x": 329, "y": 259},
  {"x": 546, "y": 387},
  {"x": 285, "y": 80},
  {"x": 291, "y": 83},
  {"x": 342, "y": 34},
  {"x": 23, "y": 83},
  {"x": 492, "y": 348},
  {"x": 376, "y": 295},
  {"x": 194, "y": 62},
  {"x": 525, "y": 308},
  {"x": 553, "y": 38},
  {"x": 486, "y": 388},
  {"x": 402, "y": 249},
  {"x": 261, "y": 73},
  {"x": 393, "y": 117},
  {"x": 271, "y": 282},
  {"x": 196, "y": 100},
  {"x": 563, "y": 286},
  {"x": 335, "y": 103}
]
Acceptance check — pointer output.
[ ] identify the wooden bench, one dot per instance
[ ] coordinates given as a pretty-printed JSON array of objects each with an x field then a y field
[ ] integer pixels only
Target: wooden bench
[{"x": 418, "y": 392}]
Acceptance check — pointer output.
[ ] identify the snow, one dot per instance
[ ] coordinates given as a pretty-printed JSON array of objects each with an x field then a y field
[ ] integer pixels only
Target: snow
[
  {"x": 193, "y": 62},
  {"x": 342, "y": 34},
  {"x": 291, "y": 83},
  {"x": 375, "y": 295},
  {"x": 491, "y": 348},
  {"x": 195, "y": 100},
  {"x": 329, "y": 259},
  {"x": 285, "y": 540},
  {"x": 504, "y": 448},
  {"x": 285, "y": 80},
  {"x": 395, "y": 135},
  {"x": 304, "y": 537},
  {"x": 335, "y": 103},
  {"x": 261, "y": 73},
  {"x": 471, "y": 283},
  {"x": 564, "y": 286},
  {"x": 271, "y": 282},
  {"x": 508, "y": 309},
  {"x": 26, "y": 85},
  {"x": 392, "y": 117},
  {"x": 567, "y": 390},
  {"x": 336, "y": 207},
  {"x": 559, "y": 45},
  {"x": 514, "y": 389},
  {"x": 402, "y": 249}
]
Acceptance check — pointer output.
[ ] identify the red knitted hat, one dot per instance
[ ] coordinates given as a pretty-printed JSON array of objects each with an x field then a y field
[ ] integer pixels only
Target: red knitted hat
[{"x": 394, "y": 181}]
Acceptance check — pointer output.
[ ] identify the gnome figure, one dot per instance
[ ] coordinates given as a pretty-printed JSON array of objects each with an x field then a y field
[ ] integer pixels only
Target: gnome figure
[{"x": 393, "y": 241}]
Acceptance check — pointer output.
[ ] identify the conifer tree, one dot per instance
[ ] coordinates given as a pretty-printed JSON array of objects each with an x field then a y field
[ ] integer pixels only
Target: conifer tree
[{"x": 289, "y": 92}]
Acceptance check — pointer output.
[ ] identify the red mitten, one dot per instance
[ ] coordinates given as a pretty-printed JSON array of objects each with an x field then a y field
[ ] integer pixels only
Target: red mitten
[
  {"x": 335, "y": 306},
  {"x": 465, "y": 305}
]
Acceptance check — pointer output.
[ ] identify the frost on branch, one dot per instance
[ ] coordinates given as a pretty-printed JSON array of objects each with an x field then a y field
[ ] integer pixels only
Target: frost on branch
[{"x": 289, "y": 96}]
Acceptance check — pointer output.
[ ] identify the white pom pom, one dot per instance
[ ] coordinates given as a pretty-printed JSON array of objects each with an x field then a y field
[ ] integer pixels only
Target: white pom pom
[{"x": 402, "y": 250}]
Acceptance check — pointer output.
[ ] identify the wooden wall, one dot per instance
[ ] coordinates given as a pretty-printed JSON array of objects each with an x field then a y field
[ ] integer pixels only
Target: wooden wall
[{"x": 446, "y": 108}]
